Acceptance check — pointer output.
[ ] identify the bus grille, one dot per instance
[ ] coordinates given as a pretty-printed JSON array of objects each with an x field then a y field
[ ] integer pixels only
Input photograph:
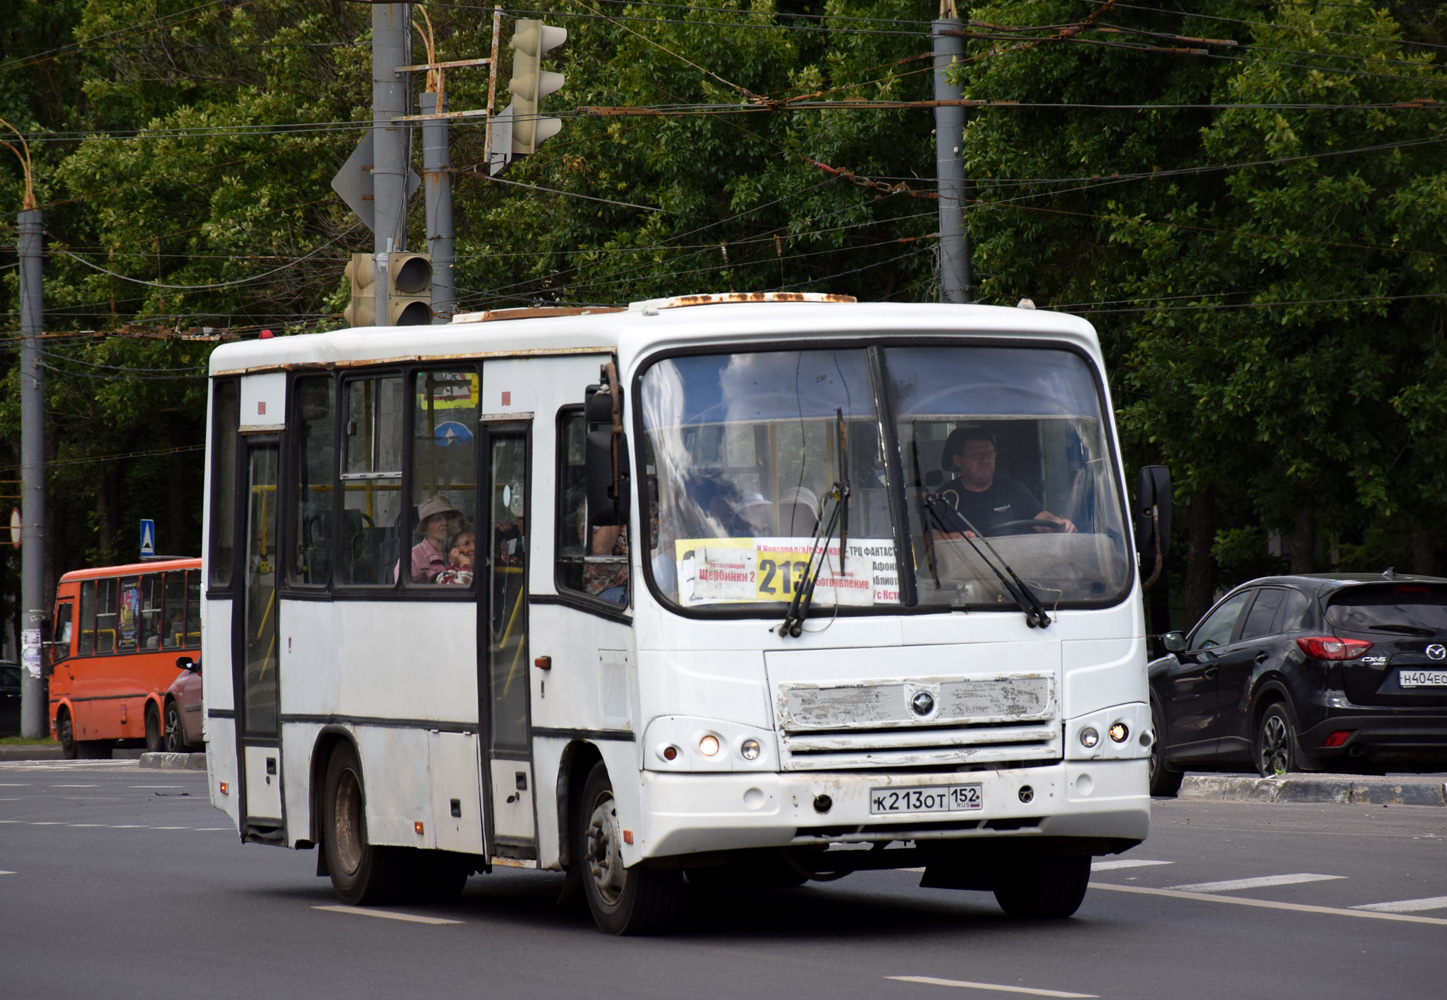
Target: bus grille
[{"x": 976, "y": 720}]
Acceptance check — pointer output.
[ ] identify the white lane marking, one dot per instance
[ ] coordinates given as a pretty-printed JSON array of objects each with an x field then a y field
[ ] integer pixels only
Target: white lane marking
[
  {"x": 75, "y": 786},
  {"x": 127, "y": 826},
  {"x": 170, "y": 828},
  {"x": 1407, "y": 905},
  {"x": 14, "y": 784},
  {"x": 79, "y": 825},
  {"x": 7, "y": 873},
  {"x": 963, "y": 985},
  {"x": 1271, "y": 904},
  {"x": 153, "y": 786},
  {"x": 47, "y": 822},
  {"x": 211, "y": 829},
  {"x": 1110, "y": 866},
  {"x": 364, "y": 912},
  {"x": 1231, "y": 885},
  {"x": 12, "y": 821}
]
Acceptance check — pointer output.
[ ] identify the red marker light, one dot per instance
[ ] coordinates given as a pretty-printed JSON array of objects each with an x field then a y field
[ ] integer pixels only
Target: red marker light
[
  {"x": 1337, "y": 738},
  {"x": 265, "y": 335},
  {"x": 1329, "y": 647}
]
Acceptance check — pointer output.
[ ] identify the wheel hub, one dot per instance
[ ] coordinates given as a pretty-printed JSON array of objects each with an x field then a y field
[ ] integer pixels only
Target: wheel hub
[
  {"x": 349, "y": 823},
  {"x": 1275, "y": 754},
  {"x": 600, "y": 851}
]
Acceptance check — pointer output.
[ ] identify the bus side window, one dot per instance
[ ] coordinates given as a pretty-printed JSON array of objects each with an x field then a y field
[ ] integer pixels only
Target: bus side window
[
  {"x": 193, "y": 609},
  {"x": 105, "y": 615},
  {"x": 150, "y": 623},
  {"x": 173, "y": 610},
  {"x": 444, "y": 468},
  {"x": 87, "y": 618},
  {"x": 371, "y": 482},
  {"x": 129, "y": 614},
  {"x": 225, "y": 419},
  {"x": 314, "y": 481},
  {"x": 572, "y": 513},
  {"x": 62, "y": 633}
]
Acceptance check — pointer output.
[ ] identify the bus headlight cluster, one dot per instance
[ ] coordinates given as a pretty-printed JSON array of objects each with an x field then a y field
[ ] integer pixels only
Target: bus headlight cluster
[
  {"x": 1089, "y": 737},
  {"x": 1118, "y": 732},
  {"x": 750, "y": 749},
  {"x": 708, "y": 746}
]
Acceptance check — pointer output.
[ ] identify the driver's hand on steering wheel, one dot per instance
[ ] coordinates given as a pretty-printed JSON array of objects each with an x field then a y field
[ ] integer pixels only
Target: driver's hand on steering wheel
[{"x": 1067, "y": 526}]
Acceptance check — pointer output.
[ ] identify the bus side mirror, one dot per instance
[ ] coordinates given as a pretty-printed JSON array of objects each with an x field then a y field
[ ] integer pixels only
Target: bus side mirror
[
  {"x": 605, "y": 452},
  {"x": 1153, "y": 511}
]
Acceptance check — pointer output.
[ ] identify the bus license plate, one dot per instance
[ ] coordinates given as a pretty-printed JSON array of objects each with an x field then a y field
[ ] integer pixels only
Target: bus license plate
[
  {"x": 1422, "y": 678},
  {"x": 930, "y": 798}
]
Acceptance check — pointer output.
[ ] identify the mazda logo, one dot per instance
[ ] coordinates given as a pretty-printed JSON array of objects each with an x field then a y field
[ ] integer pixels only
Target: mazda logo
[
  {"x": 1436, "y": 652},
  {"x": 923, "y": 703}
]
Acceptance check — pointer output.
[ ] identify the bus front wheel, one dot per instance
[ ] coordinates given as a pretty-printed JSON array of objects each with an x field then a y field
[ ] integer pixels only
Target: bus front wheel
[
  {"x": 362, "y": 873},
  {"x": 65, "y": 734},
  {"x": 623, "y": 900},
  {"x": 153, "y": 730},
  {"x": 1052, "y": 887}
]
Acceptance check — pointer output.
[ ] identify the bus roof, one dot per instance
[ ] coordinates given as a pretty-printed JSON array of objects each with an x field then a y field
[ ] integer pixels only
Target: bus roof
[
  {"x": 133, "y": 569},
  {"x": 643, "y": 326}
]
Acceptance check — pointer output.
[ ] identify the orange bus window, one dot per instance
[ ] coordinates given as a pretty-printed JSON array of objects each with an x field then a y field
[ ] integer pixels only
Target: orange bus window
[
  {"x": 173, "y": 610},
  {"x": 193, "y": 609},
  {"x": 129, "y": 617},
  {"x": 87, "y": 618},
  {"x": 105, "y": 616},
  {"x": 150, "y": 621}
]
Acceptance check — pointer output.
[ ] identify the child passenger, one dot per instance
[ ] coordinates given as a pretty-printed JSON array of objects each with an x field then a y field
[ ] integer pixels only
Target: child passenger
[{"x": 461, "y": 550}]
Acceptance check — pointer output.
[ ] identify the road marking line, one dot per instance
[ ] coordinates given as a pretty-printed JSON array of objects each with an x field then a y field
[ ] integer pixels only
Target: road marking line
[
  {"x": 127, "y": 826},
  {"x": 1231, "y": 885},
  {"x": 170, "y": 828},
  {"x": 961, "y": 984},
  {"x": 364, "y": 912},
  {"x": 75, "y": 786},
  {"x": 14, "y": 784},
  {"x": 210, "y": 829},
  {"x": 1271, "y": 904},
  {"x": 78, "y": 825},
  {"x": 1406, "y": 905},
  {"x": 46, "y": 822},
  {"x": 7, "y": 873},
  {"x": 154, "y": 786},
  {"x": 12, "y": 821},
  {"x": 1110, "y": 866}
]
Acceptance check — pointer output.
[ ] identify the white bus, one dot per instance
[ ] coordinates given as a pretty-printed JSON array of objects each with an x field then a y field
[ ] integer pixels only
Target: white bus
[{"x": 728, "y": 617}]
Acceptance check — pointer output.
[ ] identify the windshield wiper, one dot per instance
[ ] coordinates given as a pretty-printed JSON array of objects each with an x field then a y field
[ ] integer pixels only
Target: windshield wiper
[
  {"x": 1404, "y": 629},
  {"x": 793, "y": 623},
  {"x": 1035, "y": 614}
]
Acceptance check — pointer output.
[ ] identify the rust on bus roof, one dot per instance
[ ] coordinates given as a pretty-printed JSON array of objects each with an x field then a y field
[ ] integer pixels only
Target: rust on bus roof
[
  {"x": 721, "y": 298},
  {"x": 534, "y": 312}
]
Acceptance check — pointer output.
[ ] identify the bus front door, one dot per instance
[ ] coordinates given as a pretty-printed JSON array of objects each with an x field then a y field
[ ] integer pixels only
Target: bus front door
[
  {"x": 258, "y": 695},
  {"x": 503, "y": 641}
]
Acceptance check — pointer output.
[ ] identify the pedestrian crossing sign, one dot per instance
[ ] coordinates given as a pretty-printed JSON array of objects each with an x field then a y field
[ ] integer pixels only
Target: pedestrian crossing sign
[{"x": 148, "y": 537}]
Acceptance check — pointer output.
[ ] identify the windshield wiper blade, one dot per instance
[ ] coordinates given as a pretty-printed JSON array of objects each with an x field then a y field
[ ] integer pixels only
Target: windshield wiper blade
[
  {"x": 793, "y": 623},
  {"x": 1035, "y": 614},
  {"x": 1404, "y": 629}
]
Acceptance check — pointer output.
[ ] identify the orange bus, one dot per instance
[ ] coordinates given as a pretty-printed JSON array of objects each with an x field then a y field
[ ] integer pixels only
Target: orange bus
[{"x": 116, "y": 636}]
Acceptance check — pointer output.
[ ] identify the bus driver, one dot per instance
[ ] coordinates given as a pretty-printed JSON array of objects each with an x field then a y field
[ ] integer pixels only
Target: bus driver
[{"x": 984, "y": 499}]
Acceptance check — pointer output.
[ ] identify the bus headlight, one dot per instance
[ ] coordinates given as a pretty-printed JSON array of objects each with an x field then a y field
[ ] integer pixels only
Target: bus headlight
[
  {"x": 750, "y": 749},
  {"x": 708, "y": 746},
  {"x": 1118, "y": 732},
  {"x": 1089, "y": 737}
]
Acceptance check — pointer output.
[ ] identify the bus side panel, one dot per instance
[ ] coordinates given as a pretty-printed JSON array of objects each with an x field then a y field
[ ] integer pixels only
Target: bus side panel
[
  {"x": 398, "y": 792},
  {"x": 219, "y": 698},
  {"x": 593, "y": 680},
  {"x": 1100, "y": 673},
  {"x": 547, "y": 766}
]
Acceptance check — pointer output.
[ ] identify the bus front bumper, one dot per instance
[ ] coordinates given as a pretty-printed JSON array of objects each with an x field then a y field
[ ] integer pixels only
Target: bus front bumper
[{"x": 692, "y": 813}]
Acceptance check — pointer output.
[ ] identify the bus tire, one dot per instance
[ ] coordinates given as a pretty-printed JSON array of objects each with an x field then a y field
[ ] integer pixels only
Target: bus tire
[
  {"x": 153, "y": 730},
  {"x": 175, "y": 731},
  {"x": 65, "y": 736},
  {"x": 362, "y": 873},
  {"x": 1050, "y": 888},
  {"x": 623, "y": 900}
]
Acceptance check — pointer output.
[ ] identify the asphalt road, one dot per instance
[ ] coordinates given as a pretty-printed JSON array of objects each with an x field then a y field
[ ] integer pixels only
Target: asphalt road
[{"x": 122, "y": 883}]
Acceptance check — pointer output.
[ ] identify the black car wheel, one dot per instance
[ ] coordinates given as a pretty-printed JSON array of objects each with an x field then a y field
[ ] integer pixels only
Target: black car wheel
[
  {"x": 175, "y": 731},
  {"x": 1276, "y": 750},
  {"x": 1163, "y": 781}
]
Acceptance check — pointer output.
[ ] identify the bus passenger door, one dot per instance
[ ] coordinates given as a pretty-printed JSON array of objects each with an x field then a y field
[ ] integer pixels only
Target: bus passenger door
[
  {"x": 258, "y": 695},
  {"x": 503, "y": 657}
]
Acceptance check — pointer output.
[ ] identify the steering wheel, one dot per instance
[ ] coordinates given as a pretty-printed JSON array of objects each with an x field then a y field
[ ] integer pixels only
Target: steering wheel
[{"x": 1025, "y": 524}]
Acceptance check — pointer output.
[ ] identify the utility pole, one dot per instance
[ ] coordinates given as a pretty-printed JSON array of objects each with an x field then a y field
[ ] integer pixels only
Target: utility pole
[
  {"x": 33, "y": 710},
  {"x": 955, "y": 280},
  {"x": 390, "y": 93}
]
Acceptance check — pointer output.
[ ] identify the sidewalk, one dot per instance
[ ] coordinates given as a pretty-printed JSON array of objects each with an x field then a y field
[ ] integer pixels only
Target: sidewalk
[
  {"x": 51, "y": 751},
  {"x": 1342, "y": 789}
]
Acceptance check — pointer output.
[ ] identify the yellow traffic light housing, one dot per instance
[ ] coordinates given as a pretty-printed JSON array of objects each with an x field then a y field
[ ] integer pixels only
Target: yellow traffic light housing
[{"x": 361, "y": 271}]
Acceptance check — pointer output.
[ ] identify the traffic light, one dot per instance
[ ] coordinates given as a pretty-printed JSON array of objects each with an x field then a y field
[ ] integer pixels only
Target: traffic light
[
  {"x": 409, "y": 289},
  {"x": 530, "y": 83},
  {"x": 361, "y": 271}
]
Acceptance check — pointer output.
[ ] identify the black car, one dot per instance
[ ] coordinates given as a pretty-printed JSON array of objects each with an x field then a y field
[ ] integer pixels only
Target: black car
[
  {"x": 9, "y": 698},
  {"x": 1306, "y": 673}
]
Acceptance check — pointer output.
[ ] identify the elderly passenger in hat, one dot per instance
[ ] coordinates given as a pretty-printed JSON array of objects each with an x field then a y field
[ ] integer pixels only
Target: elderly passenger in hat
[{"x": 434, "y": 523}]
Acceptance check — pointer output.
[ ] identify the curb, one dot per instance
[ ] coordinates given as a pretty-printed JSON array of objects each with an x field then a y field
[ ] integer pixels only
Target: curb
[
  {"x": 1338, "y": 789},
  {"x": 174, "y": 761},
  {"x": 38, "y": 751}
]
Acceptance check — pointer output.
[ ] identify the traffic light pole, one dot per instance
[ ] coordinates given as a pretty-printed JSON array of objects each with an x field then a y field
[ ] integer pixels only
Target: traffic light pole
[
  {"x": 437, "y": 186},
  {"x": 33, "y": 710},
  {"x": 955, "y": 280},
  {"x": 390, "y": 92}
]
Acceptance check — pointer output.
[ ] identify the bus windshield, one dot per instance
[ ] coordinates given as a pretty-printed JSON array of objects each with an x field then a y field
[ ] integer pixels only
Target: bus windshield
[{"x": 1002, "y": 455}]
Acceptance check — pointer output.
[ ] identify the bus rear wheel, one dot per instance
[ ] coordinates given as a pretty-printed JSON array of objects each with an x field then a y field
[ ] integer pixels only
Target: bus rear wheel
[
  {"x": 623, "y": 900},
  {"x": 362, "y": 873},
  {"x": 1050, "y": 887},
  {"x": 153, "y": 730}
]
